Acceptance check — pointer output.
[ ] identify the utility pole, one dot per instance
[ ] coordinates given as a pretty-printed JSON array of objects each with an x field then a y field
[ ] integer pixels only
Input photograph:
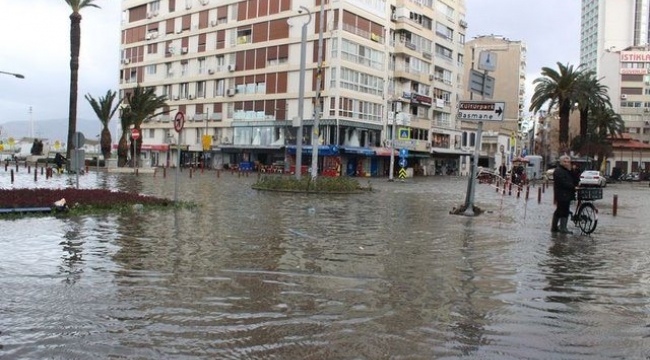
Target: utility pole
[{"x": 319, "y": 75}]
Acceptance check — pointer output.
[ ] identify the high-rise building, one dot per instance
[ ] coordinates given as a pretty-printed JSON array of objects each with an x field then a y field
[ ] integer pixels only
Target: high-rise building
[
  {"x": 611, "y": 25},
  {"x": 233, "y": 68}
]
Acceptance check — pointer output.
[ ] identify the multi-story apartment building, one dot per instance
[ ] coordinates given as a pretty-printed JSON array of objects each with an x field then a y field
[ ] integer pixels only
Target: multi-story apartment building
[
  {"x": 615, "y": 43},
  {"x": 500, "y": 141},
  {"x": 233, "y": 68}
]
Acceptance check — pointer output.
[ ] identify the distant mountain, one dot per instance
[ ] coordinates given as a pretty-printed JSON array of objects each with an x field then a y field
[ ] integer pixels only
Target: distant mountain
[{"x": 52, "y": 129}]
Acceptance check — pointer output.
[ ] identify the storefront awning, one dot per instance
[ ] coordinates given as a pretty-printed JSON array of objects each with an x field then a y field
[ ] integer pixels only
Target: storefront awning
[
  {"x": 382, "y": 151},
  {"x": 450, "y": 152},
  {"x": 358, "y": 150},
  {"x": 323, "y": 150}
]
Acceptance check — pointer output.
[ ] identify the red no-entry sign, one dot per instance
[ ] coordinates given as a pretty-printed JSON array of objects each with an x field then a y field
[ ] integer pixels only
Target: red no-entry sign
[{"x": 135, "y": 134}]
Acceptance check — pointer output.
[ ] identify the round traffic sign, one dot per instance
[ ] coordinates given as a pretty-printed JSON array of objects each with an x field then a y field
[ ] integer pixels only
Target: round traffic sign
[
  {"x": 179, "y": 121},
  {"x": 402, "y": 162},
  {"x": 135, "y": 134}
]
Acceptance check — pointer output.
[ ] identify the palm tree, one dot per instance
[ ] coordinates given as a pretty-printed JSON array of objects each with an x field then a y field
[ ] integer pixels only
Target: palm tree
[
  {"x": 557, "y": 88},
  {"x": 590, "y": 95},
  {"x": 104, "y": 109},
  {"x": 75, "y": 44},
  {"x": 141, "y": 105}
]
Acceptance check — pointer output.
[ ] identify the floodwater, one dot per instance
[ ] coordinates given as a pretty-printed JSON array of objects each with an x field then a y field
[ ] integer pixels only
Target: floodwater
[{"x": 383, "y": 275}]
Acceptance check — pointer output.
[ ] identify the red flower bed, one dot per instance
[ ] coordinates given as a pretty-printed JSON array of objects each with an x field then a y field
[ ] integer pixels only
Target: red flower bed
[{"x": 97, "y": 198}]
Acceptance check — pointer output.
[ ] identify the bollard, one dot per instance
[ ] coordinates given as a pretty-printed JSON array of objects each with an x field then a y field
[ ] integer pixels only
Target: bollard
[
  {"x": 136, "y": 171},
  {"x": 510, "y": 189},
  {"x": 518, "y": 191},
  {"x": 527, "y": 191},
  {"x": 615, "y": 207},
  {"x": 35, "y": 175},
  {"x": 42, "y": 168},
  {"x": 12, "y": 176},
  {"x": 218, "y": 173},
  {"x": 86, "y": 169},
  {"x": 164, "y": 172},
  {"x": 539, "y": 195},
  {"x": 191, "y": 173},
  {"x": 29, "y": 169}
]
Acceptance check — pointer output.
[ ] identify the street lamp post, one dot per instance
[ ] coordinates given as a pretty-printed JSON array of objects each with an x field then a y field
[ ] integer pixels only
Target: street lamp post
[
  {"x": 19, "y": 76},
  {"x": 301, "y": 92}
]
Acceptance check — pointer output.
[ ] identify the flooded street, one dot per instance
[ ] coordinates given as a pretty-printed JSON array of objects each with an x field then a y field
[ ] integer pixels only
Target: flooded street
[{"x": 382, "y": 275}]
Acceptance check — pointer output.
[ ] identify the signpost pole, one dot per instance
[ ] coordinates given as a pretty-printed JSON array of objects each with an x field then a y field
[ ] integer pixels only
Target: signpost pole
[
  {"x": 178, "y": 165},
  {"x": 469, "y": 203}
]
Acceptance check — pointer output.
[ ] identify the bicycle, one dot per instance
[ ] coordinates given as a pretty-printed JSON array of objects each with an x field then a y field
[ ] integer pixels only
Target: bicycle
[{"x": 585, "y": 216}]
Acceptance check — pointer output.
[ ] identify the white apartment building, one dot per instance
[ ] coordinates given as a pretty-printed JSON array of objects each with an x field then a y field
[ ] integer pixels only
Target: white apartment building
[{"x": 233, "y": 69}]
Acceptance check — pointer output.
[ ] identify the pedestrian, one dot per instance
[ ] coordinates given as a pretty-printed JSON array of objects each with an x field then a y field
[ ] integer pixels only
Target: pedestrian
[{"x": 564, "y": 192}]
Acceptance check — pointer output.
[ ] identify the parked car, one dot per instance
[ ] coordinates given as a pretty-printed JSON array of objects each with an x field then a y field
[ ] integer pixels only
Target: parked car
[
  {"x": 634, "y": 176},
  {"x": 549, "y": 174},
  {"x": 592, "y": 178}
]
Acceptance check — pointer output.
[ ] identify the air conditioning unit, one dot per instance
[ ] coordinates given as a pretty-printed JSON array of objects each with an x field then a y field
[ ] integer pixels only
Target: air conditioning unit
[
  {"x": 393, "y": 17},
  {"x": 179, "y": 31},
  {"x": 623, "y": 96},
  {"x": 126, "y": 61},
  {"x": 213, "y": 23},
  {"x": 225, "y": 140},
  {"x": 191, "y": 97},
  {"x": 148, "y": 36},
  {"x": 232, "y": 67},
  {"x": 155, "y": 13},
  {"x": 210, "y": 71},
  {"x": 431, "y": 77},
  {"x": 188, "y": 6},
  {"x": 176, "y": 97},
  {"x": 154, "y": 35},
  {"x": 171, "y": 50},
  {"x": 149, "y": 15},
  {"x": 205, "y": 2},
  {"x": 231, "y": 92},
  {"x": 184, "y": 50},
  {"x": 646, "y": 110}
]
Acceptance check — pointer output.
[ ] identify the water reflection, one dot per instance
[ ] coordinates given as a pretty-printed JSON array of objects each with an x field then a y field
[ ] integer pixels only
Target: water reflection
[
  {"x": 250, "y": 274},
  {"x": 572, "y": 265}
]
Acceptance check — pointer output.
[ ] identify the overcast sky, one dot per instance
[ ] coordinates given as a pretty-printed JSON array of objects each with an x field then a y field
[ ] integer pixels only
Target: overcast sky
[{"x": 35, "y": 43}]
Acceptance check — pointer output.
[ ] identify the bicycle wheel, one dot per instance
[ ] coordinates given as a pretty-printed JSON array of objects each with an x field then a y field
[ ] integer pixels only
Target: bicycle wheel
[{"x": 587, "y": 218}]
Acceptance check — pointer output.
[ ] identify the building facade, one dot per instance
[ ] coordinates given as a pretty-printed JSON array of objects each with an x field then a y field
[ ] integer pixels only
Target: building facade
[
  {"x": 233, "y": 69},
  {"x": 501, "y": 141}
]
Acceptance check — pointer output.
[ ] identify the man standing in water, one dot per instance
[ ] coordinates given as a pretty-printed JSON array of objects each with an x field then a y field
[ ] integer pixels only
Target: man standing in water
[{"x": 564, "y": 192}]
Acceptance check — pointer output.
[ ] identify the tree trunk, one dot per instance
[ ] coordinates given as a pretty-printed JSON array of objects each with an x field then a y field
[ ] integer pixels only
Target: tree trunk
[
  {"x": 75, "y": 43},
  {"x": 584, "y": 117},
  {"x": 122, "y": 151},
  {"x": 106, "y": 143}
]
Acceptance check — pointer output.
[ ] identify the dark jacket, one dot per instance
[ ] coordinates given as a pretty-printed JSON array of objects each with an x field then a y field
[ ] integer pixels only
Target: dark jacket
[{"x": 563, "y": 184}]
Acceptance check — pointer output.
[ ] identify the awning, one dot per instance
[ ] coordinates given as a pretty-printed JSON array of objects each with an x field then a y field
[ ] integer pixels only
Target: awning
[
  {"x": 323, "y": 150},
  {"x": 382, "y": 151},
  {"x": 358, "y": 150},
  {"x": 450, "y": 152},
  {"x": 247, "y": 148},
  {"x": 155, "y": 147}
]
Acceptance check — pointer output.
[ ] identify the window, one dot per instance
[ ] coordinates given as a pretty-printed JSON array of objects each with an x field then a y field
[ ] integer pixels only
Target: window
[
  {"x": 200, "y": 89},
  {"x": 219, "y": 87},
  {"x": 244, "y": 36},
  {"x": 183, "y": 90},
  {"x": 202, "y": 68},
  {"x": 167, "y": 91},
  {"x": 184, "y": 68},
  {"x": 169, "y": 70},
  {"x": 151, "y": 69}
]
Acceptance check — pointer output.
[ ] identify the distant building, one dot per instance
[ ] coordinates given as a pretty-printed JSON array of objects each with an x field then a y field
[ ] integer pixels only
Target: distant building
[{"x": 501, "y": 141}]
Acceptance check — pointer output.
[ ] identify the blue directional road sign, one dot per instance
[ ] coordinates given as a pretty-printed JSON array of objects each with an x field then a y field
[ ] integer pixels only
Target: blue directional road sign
[{"x": 403, "y": 153}]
